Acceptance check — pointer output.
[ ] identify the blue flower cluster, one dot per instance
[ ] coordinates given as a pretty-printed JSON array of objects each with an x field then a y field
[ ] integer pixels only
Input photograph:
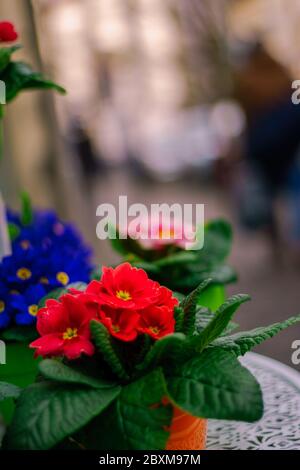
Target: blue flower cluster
[{"x": 47, "y": 254}]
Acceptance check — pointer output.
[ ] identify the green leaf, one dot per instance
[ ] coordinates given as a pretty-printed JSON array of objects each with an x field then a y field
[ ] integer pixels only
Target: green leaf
[
  {"x": 46, "y": 413},
  {"x": 135, "y": 421},
  {"x": 243, "y": 341},
  {"x": 5, "y": 55},
  {"x": 26, "y": 212},
  {"x": 217, "y": 242},
  {"x": 164, "y": 350},
  {"x": 8, "y": 391},
  {"x": 56, "y": 370},
  {"x": 103, "y": 341},
  {"x": 215, "y": 385},
  {"x": 219, "y": 322},
  {"x": 204, "y": 316},
  {"x": 21, "y": 334},
  {"x": 13, "y": 231},
  {"x": 183, "y": 257},
  {"x": 19, "y": 76},
  {"x": 189, "y": 305}
]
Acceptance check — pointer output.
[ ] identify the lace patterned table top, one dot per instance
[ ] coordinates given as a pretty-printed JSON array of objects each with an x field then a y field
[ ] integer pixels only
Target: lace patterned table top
[{"x": 279, "y": 428}]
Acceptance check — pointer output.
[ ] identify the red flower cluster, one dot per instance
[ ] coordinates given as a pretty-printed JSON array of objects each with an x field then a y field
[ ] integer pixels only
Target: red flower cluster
[
  {"x": 7, "y": 32},
  {"x": 125, "y": 300}
]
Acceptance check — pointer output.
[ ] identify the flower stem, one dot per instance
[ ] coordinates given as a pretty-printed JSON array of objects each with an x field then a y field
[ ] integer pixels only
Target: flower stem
[{"x": 5, "y": 244}]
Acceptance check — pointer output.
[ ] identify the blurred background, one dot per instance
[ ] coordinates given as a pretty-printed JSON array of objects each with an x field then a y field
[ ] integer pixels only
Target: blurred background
[{"x": 169, "y": 101}]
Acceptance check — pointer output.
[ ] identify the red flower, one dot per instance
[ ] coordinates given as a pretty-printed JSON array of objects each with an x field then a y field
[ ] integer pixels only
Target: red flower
[
  {"x": 124, "y": 287},
  {"x": 64, "y": 327},
  {"x": 157, "y": 322},
  {"x": 7, "y": 32},
  {"x": 121, "y": 323}
]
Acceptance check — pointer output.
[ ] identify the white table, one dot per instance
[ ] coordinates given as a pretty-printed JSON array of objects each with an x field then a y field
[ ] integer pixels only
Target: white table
[{"x": 279, "y": 428}]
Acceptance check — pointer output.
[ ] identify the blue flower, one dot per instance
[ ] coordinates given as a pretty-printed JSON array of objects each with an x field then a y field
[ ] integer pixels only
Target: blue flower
[
  {"x": 5, "y": 307},
  {"x": 47, "y": 254},
  {"x": 25, "y": 305}
]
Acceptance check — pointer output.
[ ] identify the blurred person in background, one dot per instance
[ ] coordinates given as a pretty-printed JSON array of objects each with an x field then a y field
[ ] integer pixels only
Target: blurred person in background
[{"x": 271, "y": 145}]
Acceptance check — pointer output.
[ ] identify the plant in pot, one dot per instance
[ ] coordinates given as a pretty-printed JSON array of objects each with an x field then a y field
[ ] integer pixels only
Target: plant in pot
[
  {"x": 47, "y": 254},
  {"x": 161, "y": 250},
  {"x": 126, "y": 366}
]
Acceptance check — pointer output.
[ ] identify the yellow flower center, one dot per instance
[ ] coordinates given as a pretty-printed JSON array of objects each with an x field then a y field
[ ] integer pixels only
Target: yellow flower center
[
  {"x": 70, "y": 333},
  {"x": 24, "y": 274},
  {"x": 44, "y": 280},
  {"x": 166, "y": 234},
  {"x": 123, "y": 294},
  {"x": 63, "y": 278},
  {"x": 116, "y": 328},
  {"x": 25, "y": 244},
  {"x": 33, "y": 310},
  {"x": 2, "y": 306},
  {"x": 154, "y": 330}
]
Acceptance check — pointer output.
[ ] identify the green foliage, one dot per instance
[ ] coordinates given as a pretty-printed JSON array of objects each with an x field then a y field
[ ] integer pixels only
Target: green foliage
[
  {"x": 104, "y": 344},
  {"x": 47, "y": 412},
  {"x": 164, "y": 351},
  {"x": 13, "y": 231},
  {"x": 20, "y": 334},
  {"x": 204, "y": 316},
  {"x": 214, "y": 385},
  {"x": 218, "y": 323},
  {"x": 182, "y": 270},
  {"x": 242, "y": 342},
  {"x": 135, "y": 421},
  {"x": 56, "y": 370},
  {"x": 19, "y": 76},
  {"x": 5, "y": 55},
  {"x": 189, "y": 305},
  {"x": 8, "y": 391},
  {"x": 26, "y": 211}
]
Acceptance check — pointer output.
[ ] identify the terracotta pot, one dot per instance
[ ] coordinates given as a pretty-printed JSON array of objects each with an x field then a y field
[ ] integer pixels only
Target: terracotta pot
[{"x": 187, "y": 432}]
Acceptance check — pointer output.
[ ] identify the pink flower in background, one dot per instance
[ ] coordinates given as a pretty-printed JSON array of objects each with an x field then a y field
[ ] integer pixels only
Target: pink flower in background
[{"x": 154, "y": 233}]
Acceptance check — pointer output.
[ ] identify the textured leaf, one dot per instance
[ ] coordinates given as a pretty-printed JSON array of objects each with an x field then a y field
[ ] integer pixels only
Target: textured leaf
[
  {"x": 243, "y": 341},
  {"x": 215, "y": 385},
  {"x": 60, "y": 372},
  {"x": 135, "y": 421},
  {"x": 189, "y": 305},
  {"x": 104, "y": 345},
  {"x": 46, "y": 413},
  {"x": 203, "y": 318},
  {"x": 219, "y": 322},
  {"x": 164, "y": 350},
  {"x": 8, "y": 391}
]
